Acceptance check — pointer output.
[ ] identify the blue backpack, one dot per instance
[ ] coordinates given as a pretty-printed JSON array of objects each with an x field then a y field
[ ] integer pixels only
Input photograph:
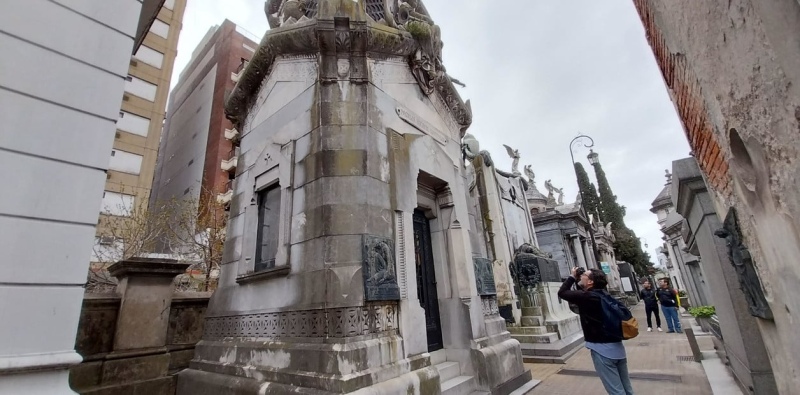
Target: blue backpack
[{"x": 618, "y": 322}]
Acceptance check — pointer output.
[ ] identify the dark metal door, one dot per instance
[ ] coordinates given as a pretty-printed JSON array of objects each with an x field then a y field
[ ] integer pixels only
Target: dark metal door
[{"x": 426, "y": 280}]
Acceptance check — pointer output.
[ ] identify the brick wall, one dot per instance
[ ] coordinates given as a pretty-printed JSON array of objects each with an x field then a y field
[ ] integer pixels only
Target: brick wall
[{"x": 688, "y": 99}]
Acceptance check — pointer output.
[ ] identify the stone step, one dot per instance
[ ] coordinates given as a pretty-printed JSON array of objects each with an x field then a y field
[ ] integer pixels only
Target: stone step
[
  {"x": 532, "y": 320},
  {"x": 438, "y": 356},
  {"x": 460, "y": 385},
  {"x": 448, "y": 370},
  {"x": 532, "y": 311},
  {"x": 527, "y": 387},
  {"x": 528, "y": 330},
  {"x": 546, "y": 338}
]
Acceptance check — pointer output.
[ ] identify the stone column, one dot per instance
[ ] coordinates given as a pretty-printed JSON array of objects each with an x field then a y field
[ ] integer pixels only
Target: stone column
[
  {"x": 587, "y": 252},
  {"x": 576, "y": 243},
  {"x": 145, "y": 286},
  {"x": 743, "y": 341},
  {"x": 140, "y": 354}
]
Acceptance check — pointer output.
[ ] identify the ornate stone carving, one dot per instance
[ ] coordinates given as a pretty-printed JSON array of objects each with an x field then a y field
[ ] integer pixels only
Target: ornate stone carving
[
  {"x": 470, "y": 146},
  {"x": 336, "y": 323},
  {"x": 530, "y": 174},
  {"x": 531, "y": 267},
  {"x": 489, "y": 305},
  {"x": 484, "y": 276},
  {"x": 525, "y": 271},
  {"x": 514, "y": 154},
  {"x": 741, "y": 260},
  {"x": 378, "y": 268}
]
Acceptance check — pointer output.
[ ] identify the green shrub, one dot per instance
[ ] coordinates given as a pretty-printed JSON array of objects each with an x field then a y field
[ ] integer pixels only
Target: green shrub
[{"x": 702, "y": 311}]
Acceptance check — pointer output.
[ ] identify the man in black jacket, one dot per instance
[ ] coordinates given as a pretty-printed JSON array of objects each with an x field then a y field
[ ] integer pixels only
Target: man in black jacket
[
  {"x": 648, "y": 294},
  {"x": 608, "y": 353}
]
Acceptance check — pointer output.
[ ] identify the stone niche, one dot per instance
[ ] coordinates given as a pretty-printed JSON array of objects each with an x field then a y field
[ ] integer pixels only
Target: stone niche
[{"x": 350, "y": 183}]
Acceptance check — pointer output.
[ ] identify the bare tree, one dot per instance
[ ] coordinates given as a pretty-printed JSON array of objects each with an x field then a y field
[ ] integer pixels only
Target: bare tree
[
  {"x": 197, "y": 235},
  {"x": 189, "y": 230},
  {"x": 126, "y": 229}
]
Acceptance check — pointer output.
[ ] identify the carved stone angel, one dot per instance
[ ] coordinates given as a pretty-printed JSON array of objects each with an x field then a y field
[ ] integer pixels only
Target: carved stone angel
[
  {"x": 560, "y": 192},
  {"x": 514, "y": 154},
  {"x": 528, "y": 169}
]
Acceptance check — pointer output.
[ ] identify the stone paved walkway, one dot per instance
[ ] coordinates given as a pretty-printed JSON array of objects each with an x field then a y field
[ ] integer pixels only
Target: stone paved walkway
[{"x": 652, "y": 361}]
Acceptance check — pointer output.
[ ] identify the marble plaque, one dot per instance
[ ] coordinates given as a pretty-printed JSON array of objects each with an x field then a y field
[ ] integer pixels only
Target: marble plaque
[
  {"x": 379, "y": 269},
  {"x": 484, "y": 276},
  {"x": 548, "y": 270},
  {"x": 421, "y": 124}
]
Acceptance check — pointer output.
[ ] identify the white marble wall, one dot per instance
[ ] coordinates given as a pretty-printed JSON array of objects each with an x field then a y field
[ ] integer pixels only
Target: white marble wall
[{"x": 61, "y": 82}]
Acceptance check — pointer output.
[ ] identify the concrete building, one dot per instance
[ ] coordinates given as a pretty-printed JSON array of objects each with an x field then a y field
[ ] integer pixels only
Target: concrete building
[
  {"x": 60, "y": 96},
  {"x": 132, "y": 159},
  {"x": 197, "y": 152},
  {"x": 348, "y": 265},
  {"x": 731, "y": 70},
  {"x": 562, "y": 232}
]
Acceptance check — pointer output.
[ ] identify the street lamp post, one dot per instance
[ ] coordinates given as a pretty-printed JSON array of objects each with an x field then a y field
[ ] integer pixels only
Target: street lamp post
[{"x": 580, "y": 140}]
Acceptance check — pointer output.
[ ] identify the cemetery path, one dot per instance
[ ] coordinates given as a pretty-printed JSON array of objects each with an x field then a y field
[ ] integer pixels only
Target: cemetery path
[{"x": 660, "y": 363}]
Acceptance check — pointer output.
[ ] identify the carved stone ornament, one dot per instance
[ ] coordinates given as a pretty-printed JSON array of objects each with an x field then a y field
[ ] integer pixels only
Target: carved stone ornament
[
  {"x": 323, "y": 323},
  {"x": 484, "y": 276},
  {"x": 741, "y": 260},
  {"x": 489, "y": 306},
  {"x": 379, "y": 269},
  {"x": 300, "y": 28}
]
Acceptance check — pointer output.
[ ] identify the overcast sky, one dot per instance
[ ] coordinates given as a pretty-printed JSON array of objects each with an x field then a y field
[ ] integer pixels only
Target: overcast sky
[{"x": 538, "y": 73}]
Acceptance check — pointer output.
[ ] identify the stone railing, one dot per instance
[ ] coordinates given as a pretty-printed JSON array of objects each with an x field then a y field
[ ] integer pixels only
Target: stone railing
[{"x": 129, "y": 342}]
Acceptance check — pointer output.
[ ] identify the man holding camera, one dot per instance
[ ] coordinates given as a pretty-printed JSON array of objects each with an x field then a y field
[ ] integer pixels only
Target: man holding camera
[{"x": 608, "y": 353}]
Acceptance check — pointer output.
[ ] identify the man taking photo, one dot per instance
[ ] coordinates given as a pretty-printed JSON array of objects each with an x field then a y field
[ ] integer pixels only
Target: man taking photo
[{"x": 608, "y": 353}]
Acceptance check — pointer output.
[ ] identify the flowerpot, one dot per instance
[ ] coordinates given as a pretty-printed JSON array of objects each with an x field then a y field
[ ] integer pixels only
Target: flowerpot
[{"x": 685, "y": 302}]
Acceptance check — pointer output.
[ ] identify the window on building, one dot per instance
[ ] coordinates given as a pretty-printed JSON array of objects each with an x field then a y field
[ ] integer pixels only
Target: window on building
[
  {"x": 140, "y": 87},
  {"x": 269, "y": 207},
  {"x": 117, "y": 204},
  {"x": 159, "y": 28},
  {"x": 125, "y": 162},
  {"x": 149, "y": 56},
  {"x": 132, "y": 123}
]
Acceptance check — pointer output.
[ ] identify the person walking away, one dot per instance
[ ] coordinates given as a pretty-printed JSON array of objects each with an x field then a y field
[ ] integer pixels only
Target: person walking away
[
  {"x": 608, "y": 353},
  {"x": 648, "y": 294},
  {"x": 670, "y": 302}
]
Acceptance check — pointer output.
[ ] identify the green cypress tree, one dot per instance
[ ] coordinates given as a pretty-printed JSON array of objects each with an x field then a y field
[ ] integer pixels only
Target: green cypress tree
[
  {"x": 627, "y": 244},
  {"x": 610, "y": 210},
  {"x": 588, "y": 192}
]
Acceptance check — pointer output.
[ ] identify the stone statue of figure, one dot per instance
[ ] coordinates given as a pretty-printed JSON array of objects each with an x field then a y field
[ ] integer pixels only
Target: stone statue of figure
[
  {"x": 382, "y": 265},
  {"x": 530, "y": 174},
  {"x": 514, "y": 154},
  {"x": 470, "y": 146},
  {"x": 549, "y": 186},
  {"x": 560, "y": 192}
]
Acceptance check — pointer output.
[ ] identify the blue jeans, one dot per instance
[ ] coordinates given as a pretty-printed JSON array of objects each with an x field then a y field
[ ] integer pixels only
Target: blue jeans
[
  {"x": 613, "y": 373},
  {"x": 673, "y": 321}
]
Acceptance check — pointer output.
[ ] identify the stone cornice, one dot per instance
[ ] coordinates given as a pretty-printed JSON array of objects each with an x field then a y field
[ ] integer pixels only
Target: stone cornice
[{"x": 361, "y": 39}]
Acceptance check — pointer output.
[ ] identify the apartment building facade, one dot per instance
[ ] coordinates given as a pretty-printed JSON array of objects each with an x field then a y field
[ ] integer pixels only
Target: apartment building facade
[
  {"x": 132, "y": 160},
  {"x": 197, "y": 156}
]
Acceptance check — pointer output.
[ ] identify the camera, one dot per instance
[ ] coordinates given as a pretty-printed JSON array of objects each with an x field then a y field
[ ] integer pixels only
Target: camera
[{"x": 579, "y": 272}]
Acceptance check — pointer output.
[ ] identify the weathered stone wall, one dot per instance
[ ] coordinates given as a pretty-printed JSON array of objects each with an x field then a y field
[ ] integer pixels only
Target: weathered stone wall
[
  {"x": 95, "y": 341},
  {"x": 732, "y": 71}
]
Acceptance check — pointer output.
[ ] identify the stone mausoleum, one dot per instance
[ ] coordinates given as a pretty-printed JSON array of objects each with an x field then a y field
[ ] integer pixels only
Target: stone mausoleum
[{"x": 349, "y": 265}]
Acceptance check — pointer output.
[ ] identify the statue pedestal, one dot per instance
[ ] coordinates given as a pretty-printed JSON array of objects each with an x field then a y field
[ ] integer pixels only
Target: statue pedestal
[{"x": 549, "y": 332}]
